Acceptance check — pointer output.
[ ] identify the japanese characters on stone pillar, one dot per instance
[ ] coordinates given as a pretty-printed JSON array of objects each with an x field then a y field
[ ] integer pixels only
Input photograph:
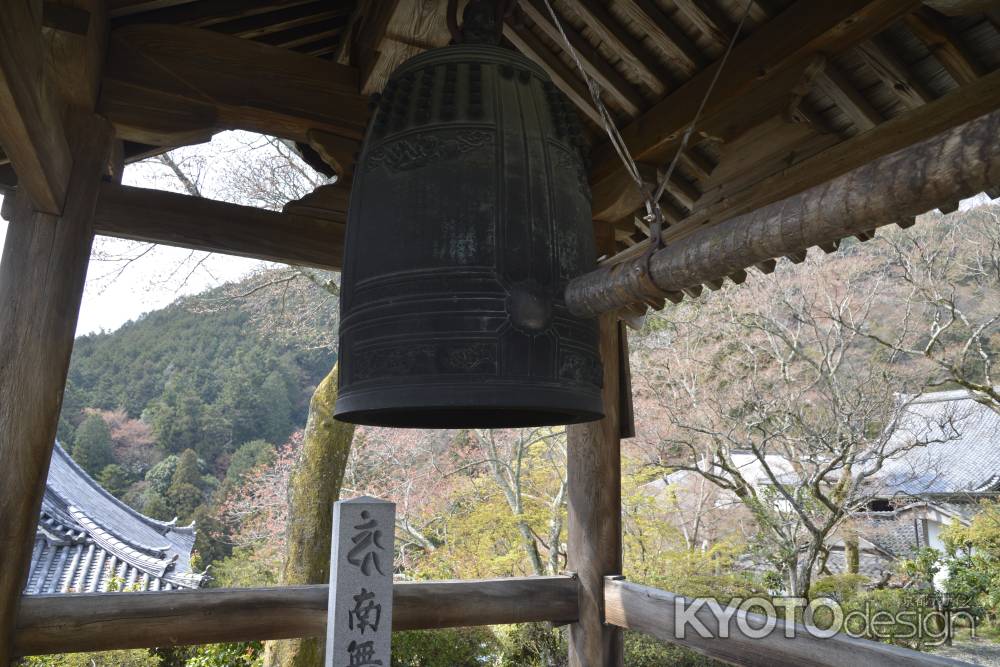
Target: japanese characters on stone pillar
[{"x": 359, "y": 613}]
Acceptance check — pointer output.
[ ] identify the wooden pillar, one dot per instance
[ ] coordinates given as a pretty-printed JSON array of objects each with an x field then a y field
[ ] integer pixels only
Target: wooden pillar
[
  {"x": 595, "y": 526},
  {"x": 42, "y": 274}
]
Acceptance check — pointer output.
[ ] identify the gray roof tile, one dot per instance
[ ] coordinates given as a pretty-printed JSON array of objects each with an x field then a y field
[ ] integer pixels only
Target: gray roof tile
[
  {"x": 86, "y": 537},
  {"x": 965, "y": 460}
]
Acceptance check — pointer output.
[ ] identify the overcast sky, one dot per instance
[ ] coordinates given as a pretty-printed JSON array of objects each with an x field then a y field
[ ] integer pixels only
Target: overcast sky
[{"x": 119, "y": 290}]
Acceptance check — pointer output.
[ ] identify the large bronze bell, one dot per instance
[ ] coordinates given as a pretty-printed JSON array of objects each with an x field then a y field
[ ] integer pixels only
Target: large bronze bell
[{"x": 469, "y": 213}]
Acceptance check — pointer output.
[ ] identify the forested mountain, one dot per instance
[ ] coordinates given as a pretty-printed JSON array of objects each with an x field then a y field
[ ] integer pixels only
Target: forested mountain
[{"x": 206, "y": 375}]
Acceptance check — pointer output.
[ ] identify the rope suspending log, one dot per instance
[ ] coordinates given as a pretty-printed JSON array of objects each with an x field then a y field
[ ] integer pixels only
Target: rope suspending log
[
  {"x": 654, "y": 214},
  {"x": 955, "y": 164}
]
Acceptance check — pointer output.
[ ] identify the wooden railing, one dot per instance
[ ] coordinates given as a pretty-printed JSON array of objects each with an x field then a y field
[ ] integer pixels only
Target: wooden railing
[
  {"x": 103, "y": 621},
  {"x": 653, "y": 612}
]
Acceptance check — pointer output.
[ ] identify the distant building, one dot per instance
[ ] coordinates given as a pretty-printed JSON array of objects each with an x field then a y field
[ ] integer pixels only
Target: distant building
[
  {"x": 916, "y": 495},
  {"x": 89, "y": 541},
  {"x": 932, "y": 487}
]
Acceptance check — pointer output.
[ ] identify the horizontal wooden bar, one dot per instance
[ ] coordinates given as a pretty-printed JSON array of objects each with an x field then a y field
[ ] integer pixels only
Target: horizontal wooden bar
[
  {"x": 104, "y": 621},
  {"x": 653, "y": 612},
  {"x": 174, "y": 219}
]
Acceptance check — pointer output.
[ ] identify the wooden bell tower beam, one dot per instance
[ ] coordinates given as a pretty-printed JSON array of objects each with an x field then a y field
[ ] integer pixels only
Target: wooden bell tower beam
[
  {"x": 595, "y": 507},
  {"x": 62, "y": 152}
]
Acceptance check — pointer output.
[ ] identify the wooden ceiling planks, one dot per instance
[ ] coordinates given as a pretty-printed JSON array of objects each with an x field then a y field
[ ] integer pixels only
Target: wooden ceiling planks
[
  {"x": 624, "y": 94},
  {"x": 653, "y": 59},
  {"x": 202, "y": 13},
  {"x": 171, "y": 80},
  {"x": 31, "y": 132},
  {"x": 564, "y": 76},
  {"x": 639, "y": 59},
  {"x": 288, "y": 18}
]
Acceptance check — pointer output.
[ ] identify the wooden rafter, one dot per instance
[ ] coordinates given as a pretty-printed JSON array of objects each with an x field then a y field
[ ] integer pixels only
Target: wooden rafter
[
  {"x": 933, "y": 31},
  {"x": 296, "y": 16},
  {"x": 893, "y": 73},
  {"x": 30, "y": 116},
  {"x": 623, "y": 92},
  {"x": 774, "y": 49},
  {"x": 169, "y": 85},
  {"x": 961, "y": 7},
  {"x": 597, "y": 17},
  {"x": 198, "y": 14},
  {"x": 304, "y": 35},
  {"x": 843, "y": 93},
  {"x": 565, "y": 78},
  {"x": 708, "y": 19},
  {"x": 127, "y": 7},
  {"x": 697, "y": 164},
  {"x": 652, "y": 21},
  {"x": 367, "y": 48}
]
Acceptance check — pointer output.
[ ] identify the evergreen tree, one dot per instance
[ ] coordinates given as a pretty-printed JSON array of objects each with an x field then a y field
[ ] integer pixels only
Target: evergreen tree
[
  {"x": 276, "y": 408},
  {"x": 155, "y": 505},
  {"x": 249, "y": 456},
  {"x": 188, "y": 469},
  {"x": 115, "y": 479},
  {"x": 177, "y": 415},
  {"x": 240, "y": 402},
  {"x": 216, "y": 433},
  {"x": 162, "y": 474},
  {"x": 92, "y": 445},
  {"x": 186, "y": 493}
]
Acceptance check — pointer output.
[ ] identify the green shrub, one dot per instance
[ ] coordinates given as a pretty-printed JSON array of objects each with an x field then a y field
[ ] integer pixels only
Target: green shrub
[
  {"x": 645, "y": 651},
  {"x": 136, "y": 658},
  {"x": 452, "y": 647},
  {"x": 840, "y": 587}
]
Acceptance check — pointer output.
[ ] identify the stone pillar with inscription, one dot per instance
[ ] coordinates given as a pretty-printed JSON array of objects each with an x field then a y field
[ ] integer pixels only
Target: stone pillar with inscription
[{"x": 359, "y": 612}]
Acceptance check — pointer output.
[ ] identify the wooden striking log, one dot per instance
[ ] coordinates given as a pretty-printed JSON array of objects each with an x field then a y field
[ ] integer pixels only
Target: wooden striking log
[
  {"x": 594, "y": 507},
  {"x": 654, "y": 612},
  {"x": 41, "y": 283},
  {"x": 955, "y": 164},
  {"x": 155, "y": 216},
  {"x": 31, "y": 130},
  {"x": 165, "y": 84},
  {"x": 103, "y": 621}
]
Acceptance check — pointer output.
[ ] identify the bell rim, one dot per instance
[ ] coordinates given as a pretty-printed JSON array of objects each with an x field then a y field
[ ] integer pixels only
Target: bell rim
[{"x": 461, "y": 406}]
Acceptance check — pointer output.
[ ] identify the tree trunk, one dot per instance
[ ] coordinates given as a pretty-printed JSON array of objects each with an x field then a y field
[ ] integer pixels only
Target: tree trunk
[
  {"x": 312, "y": 490},
  {"x": 852, "y": 554}
]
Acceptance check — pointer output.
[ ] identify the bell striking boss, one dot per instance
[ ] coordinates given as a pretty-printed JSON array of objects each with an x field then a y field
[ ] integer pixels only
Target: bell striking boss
[{"x": 469, "y": 213}]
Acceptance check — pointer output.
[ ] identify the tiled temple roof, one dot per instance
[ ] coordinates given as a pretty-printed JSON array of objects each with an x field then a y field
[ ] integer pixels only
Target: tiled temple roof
[
  {"x": 963, "y": 456},
  {"x": 88, "y": 541}
]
